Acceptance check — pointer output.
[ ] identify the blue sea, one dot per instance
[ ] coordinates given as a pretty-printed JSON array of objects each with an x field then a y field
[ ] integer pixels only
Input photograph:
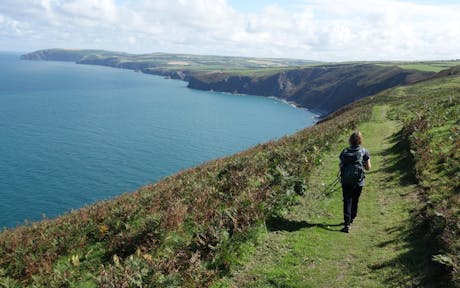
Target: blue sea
[{"x": 74, "y": 134}]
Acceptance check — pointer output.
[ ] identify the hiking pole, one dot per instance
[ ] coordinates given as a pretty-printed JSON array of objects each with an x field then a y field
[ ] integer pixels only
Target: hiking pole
[{"x": 333, "y": 186}]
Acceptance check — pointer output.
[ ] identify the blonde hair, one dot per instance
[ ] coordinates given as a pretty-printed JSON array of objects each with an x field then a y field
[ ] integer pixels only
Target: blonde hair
[{"x": 356, "y": 139}]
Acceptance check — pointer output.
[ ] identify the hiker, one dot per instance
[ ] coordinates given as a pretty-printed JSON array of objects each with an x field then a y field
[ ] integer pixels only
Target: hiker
[{"x": 352, "y": 161}]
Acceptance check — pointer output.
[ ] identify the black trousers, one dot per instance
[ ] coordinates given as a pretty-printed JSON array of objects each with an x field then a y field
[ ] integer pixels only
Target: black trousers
[{"x": 350, "y": 202}]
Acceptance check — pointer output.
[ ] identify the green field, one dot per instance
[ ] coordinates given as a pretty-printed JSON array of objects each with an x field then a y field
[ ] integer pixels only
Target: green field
[
  {"x": 210, "y": 63},
  {"x": 173, "y": 62},
  {"x": 429, "y": 66}
]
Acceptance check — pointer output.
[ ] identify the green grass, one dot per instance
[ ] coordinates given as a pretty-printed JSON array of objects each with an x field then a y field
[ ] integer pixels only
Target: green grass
[
  {"x": 316, "y": 254},
  {"x": 427, "y": 66},
  {"x": 423, "y": 67},
  {"x": 408, "y": 228},
  {"x": 193, "y": 228},
  {"x": 165, "y": 61}
]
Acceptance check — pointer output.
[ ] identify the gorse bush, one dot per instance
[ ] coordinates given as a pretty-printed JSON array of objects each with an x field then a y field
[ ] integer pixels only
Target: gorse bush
[{"x": 183, "y": 231}]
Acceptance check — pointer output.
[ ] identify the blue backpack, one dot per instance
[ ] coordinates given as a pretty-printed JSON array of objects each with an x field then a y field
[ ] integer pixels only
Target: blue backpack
[{"x": 352, "y": 171}]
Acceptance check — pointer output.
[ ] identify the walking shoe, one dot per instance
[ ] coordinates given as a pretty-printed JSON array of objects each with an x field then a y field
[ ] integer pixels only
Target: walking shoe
[{"x": 345, "y": 229}]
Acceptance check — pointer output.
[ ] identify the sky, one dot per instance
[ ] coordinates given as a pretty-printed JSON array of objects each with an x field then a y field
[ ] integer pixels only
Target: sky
[{"x": 324, "y": 30}]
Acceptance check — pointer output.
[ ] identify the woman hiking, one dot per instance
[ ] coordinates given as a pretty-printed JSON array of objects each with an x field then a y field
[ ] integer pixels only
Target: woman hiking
[{"x": 353, "y": 161}]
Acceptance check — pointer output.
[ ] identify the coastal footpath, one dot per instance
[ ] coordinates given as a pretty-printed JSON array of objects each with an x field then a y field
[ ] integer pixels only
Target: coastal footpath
[{"x": 207, "y": 226}]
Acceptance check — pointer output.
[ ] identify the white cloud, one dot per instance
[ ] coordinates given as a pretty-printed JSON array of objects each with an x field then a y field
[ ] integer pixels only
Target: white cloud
[
  {"x": 317, "y": 29},
  {"x": 96, "y": 10},
  {"x": 389, "y": 29}
]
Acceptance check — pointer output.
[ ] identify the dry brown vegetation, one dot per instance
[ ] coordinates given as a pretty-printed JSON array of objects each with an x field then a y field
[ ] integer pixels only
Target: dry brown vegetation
[{"x": 182, "y": 231}]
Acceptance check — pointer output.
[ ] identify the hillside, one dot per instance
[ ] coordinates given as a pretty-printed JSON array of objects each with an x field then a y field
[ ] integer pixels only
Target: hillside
[
  {"x": 323, "y": 88},
  {"x": 193, "y": 228},
  {"x": 392, "y": 242},
  {"x": 182, "y": 231},
  {"x": 306, "y": 248},
  {"x": 164, "y": 62}
]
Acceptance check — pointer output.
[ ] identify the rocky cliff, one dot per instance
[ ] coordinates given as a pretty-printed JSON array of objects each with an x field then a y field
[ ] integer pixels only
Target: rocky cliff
[
  {"x": 142, "y": 66},
  {"x": 63, "y": 54},
  {"x": 323, "y": 88}
]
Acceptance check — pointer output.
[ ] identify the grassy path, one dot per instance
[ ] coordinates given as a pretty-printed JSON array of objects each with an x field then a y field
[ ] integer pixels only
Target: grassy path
[{"x": 306, "y": 248}]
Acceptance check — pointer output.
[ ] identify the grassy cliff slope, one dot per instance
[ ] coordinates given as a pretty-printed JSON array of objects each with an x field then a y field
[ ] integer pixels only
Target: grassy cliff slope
[
  {"x": 323, "y": 88},
  {"x": 191, "y": 228},
  {"x": 407, "y": 233},
  {"x": 306, "y": 247},
  {"x": 183, "y": 231}
]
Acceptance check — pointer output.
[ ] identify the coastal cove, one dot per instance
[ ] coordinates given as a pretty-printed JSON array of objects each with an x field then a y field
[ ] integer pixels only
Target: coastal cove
[{"x": 73, "y": 134}]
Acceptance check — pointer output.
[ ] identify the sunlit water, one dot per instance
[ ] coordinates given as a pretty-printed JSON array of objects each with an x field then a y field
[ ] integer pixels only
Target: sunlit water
[{"x": 74, "y": 134}]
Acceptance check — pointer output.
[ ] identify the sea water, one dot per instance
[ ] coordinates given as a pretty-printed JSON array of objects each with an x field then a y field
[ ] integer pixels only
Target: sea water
[{"x": 73, "y": 134}]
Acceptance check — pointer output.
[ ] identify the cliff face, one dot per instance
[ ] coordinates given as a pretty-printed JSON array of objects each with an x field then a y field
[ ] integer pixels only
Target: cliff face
[
  {"x": 449, "y": 72},
  {"x": 59, "y": 55},
  {"x": 145, "y": 67},
  {"x": 324, "y": 89},
  {"x": 320, "y": 88}
]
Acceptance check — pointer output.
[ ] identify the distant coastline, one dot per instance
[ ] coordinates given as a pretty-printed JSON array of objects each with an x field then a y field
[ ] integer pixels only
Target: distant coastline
[{"x": 321, "y": 88}]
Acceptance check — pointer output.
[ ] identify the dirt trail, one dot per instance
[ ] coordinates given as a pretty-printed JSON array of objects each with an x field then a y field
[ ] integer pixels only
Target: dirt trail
[{"x": 306, "y": 249}]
